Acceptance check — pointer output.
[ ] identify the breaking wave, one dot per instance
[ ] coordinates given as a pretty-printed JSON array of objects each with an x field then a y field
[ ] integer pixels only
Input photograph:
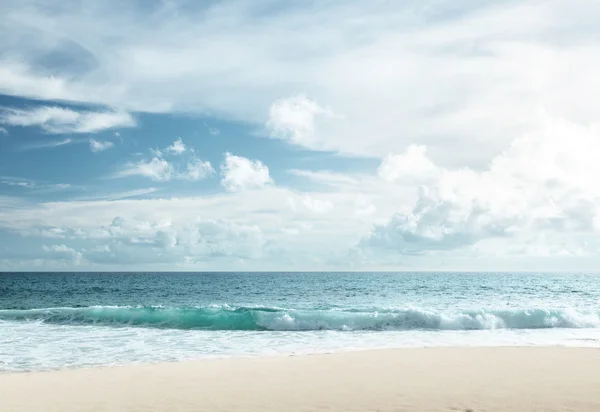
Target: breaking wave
[{"x": 278, "y": 319}]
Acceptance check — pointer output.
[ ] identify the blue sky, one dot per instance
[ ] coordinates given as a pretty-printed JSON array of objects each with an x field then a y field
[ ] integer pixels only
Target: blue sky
[{"x": 329, "y": 135}]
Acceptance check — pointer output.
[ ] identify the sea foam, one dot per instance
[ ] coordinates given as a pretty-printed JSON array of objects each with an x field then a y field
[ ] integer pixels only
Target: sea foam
[{"x": 267, "y": 318}]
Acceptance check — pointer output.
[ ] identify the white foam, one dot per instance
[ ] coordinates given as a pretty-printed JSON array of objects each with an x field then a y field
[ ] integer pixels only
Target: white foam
[{"x": 35, "y": 346}]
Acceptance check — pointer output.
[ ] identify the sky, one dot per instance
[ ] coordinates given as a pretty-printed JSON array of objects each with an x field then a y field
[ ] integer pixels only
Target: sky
[{"x": 264, "y": 135}]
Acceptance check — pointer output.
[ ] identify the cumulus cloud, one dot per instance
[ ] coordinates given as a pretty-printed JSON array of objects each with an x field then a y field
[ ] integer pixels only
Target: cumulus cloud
[
  {"x": 127, "y": 241},
  {"x": 434, "y": 225},
  {"x": 294, "y": 119},
  {"x": 100, "y": 146},
  {"x": 411, "y": 164},
  {"x": 544, "y": 182},
  {"x": 364, "y": 206},
  {"x": 63, "y": 253},
  {"x": 177, "y": 147},
  {"x": 253, "y": 220},
  {"x": 537, "y": 198},
  {"x": 160, "y": 169},
  {"x": 59, "y": 120},
  {"x": 239, "y": 173},
  {"x": 462, "y": 79}
]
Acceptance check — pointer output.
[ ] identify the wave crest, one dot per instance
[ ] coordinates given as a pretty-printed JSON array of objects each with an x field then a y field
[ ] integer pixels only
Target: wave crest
[{"x": 278, "y": 319}]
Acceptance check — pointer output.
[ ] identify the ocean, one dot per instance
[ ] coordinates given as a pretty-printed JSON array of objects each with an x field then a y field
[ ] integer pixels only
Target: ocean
[{"x": 65, "y": 320}]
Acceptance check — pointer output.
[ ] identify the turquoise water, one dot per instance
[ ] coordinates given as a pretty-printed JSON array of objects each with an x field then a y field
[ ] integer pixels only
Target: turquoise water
[{"x": 56, "y": 320}]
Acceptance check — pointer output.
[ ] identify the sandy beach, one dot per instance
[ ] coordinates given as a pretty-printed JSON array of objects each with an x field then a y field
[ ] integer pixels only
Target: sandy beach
[{"x": 432, "y": 379}]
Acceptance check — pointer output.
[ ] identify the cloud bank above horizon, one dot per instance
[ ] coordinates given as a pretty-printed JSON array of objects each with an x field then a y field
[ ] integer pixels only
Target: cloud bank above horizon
[{"x": 234, "y": 135}]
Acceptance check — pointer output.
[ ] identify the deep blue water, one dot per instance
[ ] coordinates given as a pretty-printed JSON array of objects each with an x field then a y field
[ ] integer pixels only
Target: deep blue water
[{"x": 296, "y": 290}]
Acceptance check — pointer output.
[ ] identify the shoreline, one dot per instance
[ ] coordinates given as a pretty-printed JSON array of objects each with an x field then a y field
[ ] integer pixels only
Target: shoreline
[
  {"x": 257, "y": 356},
  {"x": 505, "y": 378}
]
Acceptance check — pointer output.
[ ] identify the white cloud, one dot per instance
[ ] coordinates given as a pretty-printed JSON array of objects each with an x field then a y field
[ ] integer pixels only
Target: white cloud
[
  {"x": 121, "y": 195},
  {"x": 364, "y": 206},
  {"x": 128, "y": 242},
  {"x": 177, "y": 147},
  {"x": 160, "y": 169},
  {"x": 436, "y": 94},
  {"x": 412, "y": 164},
  {"x": 197, "y": 170},
  {"x": 462, "y": 78},
  {"x": 538, "y": 198},
  {"x": 36, "y": 187},
  {"x": 99, "y": 146},
  {"x": 293, "y": 119},
  {"x": 17, "y": 181},
  {"x": 257, "y": 222},
  {"x": 326, "y": 177},
  {"x": 156, "y": 169},
  {"x": 63, "y": 253},
  {"x": 544, "y": 182},
  {"x": 292, "y": 204},
  {"x": 3, "y": 131},
  {"x": 48, "y": 144},
  {"x": 506, "y": 209},
  {"x": 58, "y": 120},
  {"x": 317, "y": 205},
  {"x": 240, "y": 173},
  {"x": 155, "y": 152}
]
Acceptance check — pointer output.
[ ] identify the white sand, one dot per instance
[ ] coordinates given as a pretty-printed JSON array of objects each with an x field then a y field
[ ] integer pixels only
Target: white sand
[{"x": 436, "y": 379}]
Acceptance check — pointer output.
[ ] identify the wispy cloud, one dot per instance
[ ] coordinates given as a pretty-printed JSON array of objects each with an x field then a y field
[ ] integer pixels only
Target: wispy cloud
[
  {"x": 325, "y": 177},
  {"x": 400, "y": 73},
  {"x": 156, "y": 169},
  {"x": 17, "y": 181},
  {"x": 95, "y": 145},
  {"x": 99, "y": 146},
  {"x": 213, "y": 131},
  {"x": 197, "y": 170},
  {"x": 50, "y": 144},
  {"x": 3, "y": 131},
  {"x": 121, "y": 195},
  {"x": 30, "y": 184},
  {"x": 59, "y": 120},
  {"x": 58, "y": 187}
]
